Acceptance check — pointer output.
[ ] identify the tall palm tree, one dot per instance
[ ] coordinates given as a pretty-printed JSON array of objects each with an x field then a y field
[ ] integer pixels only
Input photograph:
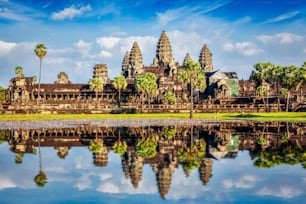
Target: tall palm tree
[
  {"x": 41, "y": 52},
  {"x": 19, "y": 71},
  {"x": 263, "y": 75},
  {"x": 194, "y": 75},
  {"x": 96, "y": 85},
  {"x": 41, "y": 178},
  {"x": 120, "y": 84},
  {"x": 290, "y": 80}
]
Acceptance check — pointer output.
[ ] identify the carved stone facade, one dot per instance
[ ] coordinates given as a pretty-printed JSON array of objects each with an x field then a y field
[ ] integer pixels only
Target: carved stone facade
[
  {"x": 66, "y": 97},
  {"x": 101, "y": 71}
]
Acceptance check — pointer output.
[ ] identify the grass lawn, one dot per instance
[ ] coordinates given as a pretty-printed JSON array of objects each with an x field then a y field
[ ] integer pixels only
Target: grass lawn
[{"x": 280, "y": 116}]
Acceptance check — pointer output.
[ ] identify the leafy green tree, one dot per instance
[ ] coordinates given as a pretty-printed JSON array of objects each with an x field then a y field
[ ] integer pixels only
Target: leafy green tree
[
  {"x": 262, "y": 75},
  {"x": 169, "y": 98},
  {"x": 120, "y": 147},
  {"x": 2, "y": 93},
  {"x": 193, "y": 75},
  {"x": 41, "y": 51},
  {"x": 262, "y": 92},
  {"x": 146, "y": 147},
  {"x": 290, "y": 79},
  {"x": 41, "y": 179},
  {"x": 169, "y": 132},
  {"x": 96, "y": 85},
  {"x": 19, "y": 71},
  {"x": 146, "y": 84},
  {"x": 19, "y": 158},
  {"x": 120, "y": 84},
  {"x": 96, "y": 145}
]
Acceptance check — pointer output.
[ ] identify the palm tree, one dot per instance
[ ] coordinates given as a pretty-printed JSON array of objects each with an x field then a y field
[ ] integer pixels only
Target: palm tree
[
  {"x": 263, "y": 75},
  {"x": 194, "y": 75},
  {"x": 19, "y": 71},
  {"x": 41, "y": 178},
  {"x": 290, "y": 79},
  {"x": 120, "y": 84},
  {"x": 41, "y": 52},
  {"x": 96, "y": 85}
]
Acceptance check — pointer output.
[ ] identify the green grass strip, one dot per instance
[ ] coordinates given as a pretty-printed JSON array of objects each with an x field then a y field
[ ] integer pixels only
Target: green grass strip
[{"x": 280, "y": 116}]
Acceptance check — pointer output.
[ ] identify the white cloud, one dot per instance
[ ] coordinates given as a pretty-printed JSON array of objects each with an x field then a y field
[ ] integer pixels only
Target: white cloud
[
  {"x": 105, "y": 54},
  {"x": 281, "y": 38},
  {"x": 4, "y": 1},
  {"x": 83, "y": 47},
  {"x": 108, "y": 188},
  {"x": 6, "y": 47},
  {"x": 70, "y": 13},
  {"x": 245, "y": 48},
  {"x": 6, "y": 183},
  {"x": 55, "y": 60},
  {"x": 83, "y": 182},
  {"x": 245, "y": 182},
  {"x": 108, "y": 42},
  {"x": 280, "y": 191},
  {"x": 283, "y": 17}
]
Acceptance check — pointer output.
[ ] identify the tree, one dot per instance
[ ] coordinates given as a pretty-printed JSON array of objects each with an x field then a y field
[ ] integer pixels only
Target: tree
[
  {"x": 262, "y": 91},
  {"x": 194, "y": 76},
  {"x": 120, "y": 84},
  {"x": 169, "y": 98},
  {"x": 146, "y": 85},
  {"x": 41, "y": 178},
  {"x": 19, "y": 71},
  {"x": 262, "y": 75},
  {"x": 41, "y": 52},
  {"x": 96, "y": 85},
  {"x": 290, "y": 79}
]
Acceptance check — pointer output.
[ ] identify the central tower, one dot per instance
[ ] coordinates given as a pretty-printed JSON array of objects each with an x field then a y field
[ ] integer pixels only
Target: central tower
[{"x": 163, "y": 51}]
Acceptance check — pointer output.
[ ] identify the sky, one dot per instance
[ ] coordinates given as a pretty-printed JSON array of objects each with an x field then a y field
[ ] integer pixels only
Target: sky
[{"x": 79, "y": 34}]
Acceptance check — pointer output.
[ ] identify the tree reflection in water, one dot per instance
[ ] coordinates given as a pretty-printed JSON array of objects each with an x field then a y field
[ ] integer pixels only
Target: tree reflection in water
[{"x": 165, "y": 148}]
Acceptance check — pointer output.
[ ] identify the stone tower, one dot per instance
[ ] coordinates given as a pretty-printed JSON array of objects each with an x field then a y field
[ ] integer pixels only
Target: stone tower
[
  {"x": 206, "y": 59},
  {"x": 135, "y": 61},
  {"x": 163, "y": 51},
  {"x": 187, "y": 58},
  {"x": 125, "y": 65},
  {"x": 101, "y": 158},
  {"x": 205, "y": 170},
  {"x": 100, "y": 71}
]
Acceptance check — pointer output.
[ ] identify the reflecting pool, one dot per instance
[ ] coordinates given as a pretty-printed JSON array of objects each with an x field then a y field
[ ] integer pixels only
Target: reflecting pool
[{"x": 152, "y": 161}]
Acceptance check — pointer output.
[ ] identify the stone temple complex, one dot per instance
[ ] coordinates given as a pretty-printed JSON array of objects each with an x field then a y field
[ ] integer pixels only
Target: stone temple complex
[{"x": 224, "y": 92}]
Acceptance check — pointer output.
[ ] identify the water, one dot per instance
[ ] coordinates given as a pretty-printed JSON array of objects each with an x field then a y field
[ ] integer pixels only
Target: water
[{"x": 187, "y": 161}]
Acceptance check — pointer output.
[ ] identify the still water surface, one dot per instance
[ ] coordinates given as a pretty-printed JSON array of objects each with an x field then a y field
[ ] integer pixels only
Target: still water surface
[{"x": 156, "y": 162}]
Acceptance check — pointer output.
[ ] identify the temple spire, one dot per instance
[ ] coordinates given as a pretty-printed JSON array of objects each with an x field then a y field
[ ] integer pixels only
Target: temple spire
[
  {"x": 163, "y": 51},
  {"x": 206, "y": 59}
]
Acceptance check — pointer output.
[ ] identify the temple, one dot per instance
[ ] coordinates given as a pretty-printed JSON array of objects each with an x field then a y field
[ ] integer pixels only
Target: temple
[{"x": 224, "y": 91}]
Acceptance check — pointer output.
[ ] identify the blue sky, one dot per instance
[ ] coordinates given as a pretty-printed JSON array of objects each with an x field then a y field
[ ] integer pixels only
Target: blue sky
[{"x": 80, "y": 34}]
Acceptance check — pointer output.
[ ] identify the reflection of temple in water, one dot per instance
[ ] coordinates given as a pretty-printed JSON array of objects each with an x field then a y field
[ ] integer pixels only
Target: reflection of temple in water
[{"x": 222, "y": 140}]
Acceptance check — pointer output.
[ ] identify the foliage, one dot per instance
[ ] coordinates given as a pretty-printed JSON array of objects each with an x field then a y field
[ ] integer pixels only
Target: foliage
[
  {"x": 146, "y": 84},
  {"x": 169, "y": 98},
  {"x": 34, "y": 78},
  {"x": 194, "y": 75},
  {"x": 19, "y": 158},
  {"x": 191, "y": 157},
  {"x": 283, "y": 92},
  {"x": 120, "y": 84},
  {"x": 19, "y": 71},
  {"x": 40, "y": 51},
  {"x": 41, "y": 179},
  {"x": 234, "y": 84},
  {"x": 2, "y": 93},
  {"x": 261, "y": 140},
  {"x": 96, "y": 85},
  {"x": 169, "y": 132},
  {"x": 96, "y": 145},
  {"x": 120, "y": 147},
  {"x": 289, "y": 152},
  {"x": 146, "y": 147},
  {"x": 261, "y": 90}
]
